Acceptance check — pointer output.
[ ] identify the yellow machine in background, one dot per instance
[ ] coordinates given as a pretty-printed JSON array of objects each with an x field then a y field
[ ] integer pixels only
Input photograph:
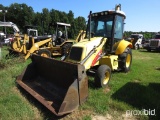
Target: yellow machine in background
[
  {"x": 23, "y": 45},
  {"x": 45, "y": 45},
  {"x": 62, "y": 86},
  {"x": 50, "y": 48}
]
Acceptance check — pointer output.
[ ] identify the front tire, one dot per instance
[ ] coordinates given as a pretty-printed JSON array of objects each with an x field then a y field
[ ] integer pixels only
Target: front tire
[
  {"x": 102, "y": 76},
  {"x": 44, "y": 53},
  {"x": 125, "y": 60}
]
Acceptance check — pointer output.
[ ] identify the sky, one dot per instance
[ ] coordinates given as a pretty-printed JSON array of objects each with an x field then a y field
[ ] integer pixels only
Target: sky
[{"x": 141, "y": 15}]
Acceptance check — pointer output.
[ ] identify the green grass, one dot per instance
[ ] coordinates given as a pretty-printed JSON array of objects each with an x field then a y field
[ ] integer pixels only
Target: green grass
[
  {"x": 139, "y": 89},
  {"x": 13, "y": 106}
]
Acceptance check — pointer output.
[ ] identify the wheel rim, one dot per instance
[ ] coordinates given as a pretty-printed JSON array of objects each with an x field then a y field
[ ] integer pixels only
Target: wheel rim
[
  {"x": 106, "y": 78},
  {"x": 128, "y": 60},
  {"x": 44, "y": 55}
]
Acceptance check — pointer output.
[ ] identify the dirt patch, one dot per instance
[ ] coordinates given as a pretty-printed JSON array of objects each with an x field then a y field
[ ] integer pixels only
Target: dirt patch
[
  {"x": 106, "y": 90},
  {"x": 99, "y": 117},
  {"x": 142, "y": 57},
  {"x": 111, "y": 117},
  {"x": 78, "y": 115},
  {"x": 137, "y": 81}
]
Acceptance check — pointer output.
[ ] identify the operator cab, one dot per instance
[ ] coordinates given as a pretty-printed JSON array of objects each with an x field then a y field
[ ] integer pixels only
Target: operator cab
[
  {"x": 108, "y": 24},
  {"x": 61, "y": 33},
  {"x": 157, "y": 36},
  {"x": 102, "y": 26},
  {"x": 32, "y": 32}
]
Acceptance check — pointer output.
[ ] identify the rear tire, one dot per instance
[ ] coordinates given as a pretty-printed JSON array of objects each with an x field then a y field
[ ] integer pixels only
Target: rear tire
[
  {"x": 44, "y": 53},
  {"x": 102, "y": 76},
  {"x": 125, "y": 60}
]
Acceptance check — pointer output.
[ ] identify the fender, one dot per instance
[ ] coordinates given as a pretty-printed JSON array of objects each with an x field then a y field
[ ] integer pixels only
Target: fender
[
  {"x": 120, "y": 46},
  {"x": 68, "y": 41}
]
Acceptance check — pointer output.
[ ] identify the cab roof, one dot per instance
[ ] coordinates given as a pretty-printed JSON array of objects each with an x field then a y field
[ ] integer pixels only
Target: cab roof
[{"x": 107, "y": 12}]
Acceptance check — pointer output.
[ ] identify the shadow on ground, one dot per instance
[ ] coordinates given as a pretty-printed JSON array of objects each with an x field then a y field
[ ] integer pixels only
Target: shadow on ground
[
  {"x": 158, "y": 68},
  {"x": 141, "y": 97}
]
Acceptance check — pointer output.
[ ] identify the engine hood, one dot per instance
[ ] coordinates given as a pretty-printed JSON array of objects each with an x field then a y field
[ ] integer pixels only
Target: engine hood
[
  {"x": 154, "y": 39},
  {"x": 81, "y": 49}
]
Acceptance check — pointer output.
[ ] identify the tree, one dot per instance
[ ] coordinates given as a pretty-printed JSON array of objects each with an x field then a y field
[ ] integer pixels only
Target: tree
[
  {"x": 1, "y": 14},
  {"x": 79, "y": 24},
  {"x": 38, "y": 22},
  {"x": 46, "y": 19},
  {"x": 71, "y": 32},
  {"x": 22, "y": 15}
]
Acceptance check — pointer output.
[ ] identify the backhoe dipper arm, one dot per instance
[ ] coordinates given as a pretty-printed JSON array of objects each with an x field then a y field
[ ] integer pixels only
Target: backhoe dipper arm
[{"x": 10, "y": 24}]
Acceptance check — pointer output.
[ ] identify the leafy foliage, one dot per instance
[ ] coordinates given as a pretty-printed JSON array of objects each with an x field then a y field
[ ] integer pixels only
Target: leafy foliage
[
  {"x": 147, "y": 35},
  {"x": 22, "y": 15}
]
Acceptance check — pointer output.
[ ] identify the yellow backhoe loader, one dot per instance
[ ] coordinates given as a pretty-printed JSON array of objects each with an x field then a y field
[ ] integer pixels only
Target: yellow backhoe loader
[
  {"x": 22, "y": 46},
  {"x": 62, "y": 86},
  {"x": 45, "y": 45}
]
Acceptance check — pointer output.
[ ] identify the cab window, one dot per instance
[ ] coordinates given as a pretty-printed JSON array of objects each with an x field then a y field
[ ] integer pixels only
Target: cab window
[{"x": 119, "y": 27}]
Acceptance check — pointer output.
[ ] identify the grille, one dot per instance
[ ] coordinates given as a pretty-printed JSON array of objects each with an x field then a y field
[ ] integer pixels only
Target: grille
[{"x": 154, "y": 43}]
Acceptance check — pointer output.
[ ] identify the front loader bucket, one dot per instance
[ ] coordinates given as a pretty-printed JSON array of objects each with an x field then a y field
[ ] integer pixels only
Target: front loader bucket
[{"x": 58, "y": 85}]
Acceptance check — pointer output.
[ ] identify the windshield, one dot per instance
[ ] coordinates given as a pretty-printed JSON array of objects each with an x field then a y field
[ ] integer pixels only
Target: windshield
[
  {"x": 32, "y": 33},
  {"x": 134, "y": 36},
  {"x": 157, "y": 37},
  {"x": 102, "y": 26}
]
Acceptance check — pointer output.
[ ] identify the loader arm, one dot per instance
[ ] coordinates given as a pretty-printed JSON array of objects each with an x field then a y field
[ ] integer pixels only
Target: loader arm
[
  {"x": 36, "y": 46},
  {"x": 94, "y": 55}
]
